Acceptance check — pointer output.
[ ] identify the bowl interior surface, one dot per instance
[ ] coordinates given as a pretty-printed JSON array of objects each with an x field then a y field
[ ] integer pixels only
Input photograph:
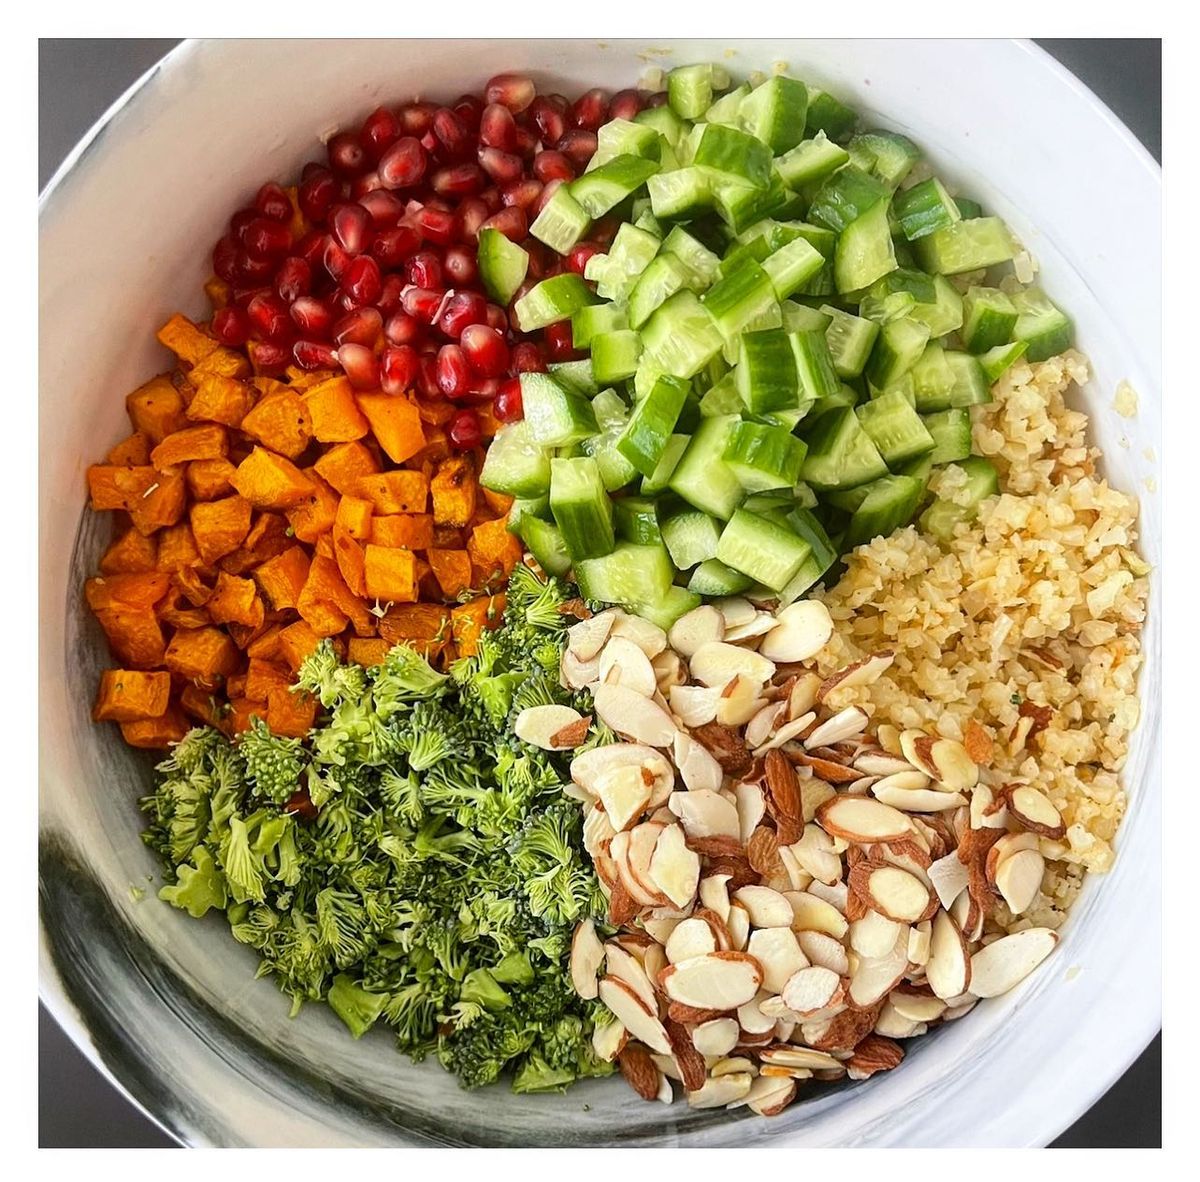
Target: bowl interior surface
[{"x": 169, "y": 1007}]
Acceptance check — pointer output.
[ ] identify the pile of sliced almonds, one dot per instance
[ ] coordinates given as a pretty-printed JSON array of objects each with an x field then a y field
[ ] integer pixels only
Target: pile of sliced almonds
[{"x": 794, "y": 891}]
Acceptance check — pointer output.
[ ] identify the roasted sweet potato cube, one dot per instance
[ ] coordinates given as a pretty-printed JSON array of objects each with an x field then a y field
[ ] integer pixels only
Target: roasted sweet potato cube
[
  {"x": 400, "y": 491},
  {"x": 235, "y": 601},
  {"x": 220, "y": 526},
  {"x": 220, "y": 400},
  {"x": 344, "y": 464},
  {"x": 335, "y": 415},
  {"x": 156, "y": 408},
  {"x": 221, "y": 362},
  {"x": 348, "y": 555},
  {"x": 188, "y": 341},
  {"x": 205, "y": 442},
  {"x": 281, "y": 423},
  {"x": 157, "y": 733},
  {"x": 177, "y": 548},
  {"x": 266, "y": 645},
  {"x": 296, "y": 642},
  {"x": 290, "y": 714},
  {"x": 282, "y": 578},
  {"x": 176, "y": 612},
  {"x": 324, "y": 546},
  {"x": 262, "y": 675},
  {"x": 488, "y": 423},
  {"x": 162, "y": 504},
  {"x": 395, "y": 423},
  {"x": 367, "y": 651},
  {"x": 114, "y": 486},
  {"x": 203, "y": 655},
  {"x": 354, "y": 516},
  {"x": 133, "y": 451},
  {"x": 200, "y": 704},
  {"x": 140, "y": 589},
  {"x": 428, "y": 623},
  {"x": 499, "y": 503},
  {"x": 493, "y": 549},
  {"x": 242, "y": 712},
  {"x": 403, "y": 531},
  {"x": 265, "y": 385},
  {"x": 452, "y": 569},
  {"x": 128, "y": 695},
  {"x": 245, "y": 634},
  {"x": 218, "y": 292},
  {"x": 134, "y": 635},
  {"x": 391, "y": 574},
  {"x": 326, "y": 597},
  {"x": 315, "y": 515},
  {"x": 303, "y": 380},
  {"x": 470, "y": 619},
  {"x": 131, "y": 553},
  {"x": 192, "y": 586},
  {"x": 207, "y": 480},
  {"x": 270, "y": 481},
  {"x": 454, "y": 491}
]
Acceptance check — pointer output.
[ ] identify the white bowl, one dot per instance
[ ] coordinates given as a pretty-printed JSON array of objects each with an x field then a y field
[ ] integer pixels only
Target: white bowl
[{"x": 167, "y": 1007}]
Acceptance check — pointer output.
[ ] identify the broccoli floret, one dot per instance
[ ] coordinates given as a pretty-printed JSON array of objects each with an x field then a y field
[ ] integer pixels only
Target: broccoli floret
[
  {"x": 321, "y": 673},
  {"x": 199, "y": 886},
  {"x": 404, "y": 677},
  {"x": 430, "y": 734},
  {"x": 354, "y": 1005},
  {"x": 481, "y": 988},
  {"x": 273, "y": 762}
]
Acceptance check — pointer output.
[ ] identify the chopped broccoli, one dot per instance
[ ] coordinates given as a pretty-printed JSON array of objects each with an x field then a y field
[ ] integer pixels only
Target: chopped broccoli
[
  {"x": 273, "y": 763},
  {"x": 322, "y": 674},
  {"x": 199, "y": 886},
  {"x": 354, "y": 1005}
]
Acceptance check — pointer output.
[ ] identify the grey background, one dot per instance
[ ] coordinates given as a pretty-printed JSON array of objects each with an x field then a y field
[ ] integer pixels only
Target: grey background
[{"x": 78, "y": 80}]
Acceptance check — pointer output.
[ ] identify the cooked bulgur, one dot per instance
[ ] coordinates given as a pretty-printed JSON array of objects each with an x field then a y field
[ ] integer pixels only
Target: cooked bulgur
[{"x": 1039, "y": 602}]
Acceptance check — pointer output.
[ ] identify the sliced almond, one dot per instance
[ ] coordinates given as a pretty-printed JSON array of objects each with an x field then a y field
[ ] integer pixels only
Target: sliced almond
[
  {"x": 916, "y": 800},
  {"x": 1005, "y": 963},
  {"x": 861, "y": 819},
  {"x": 665, "y": 1095},
  {"x": 749, "y": 632},
  {"x": 717, "y": 981},
  {"x": 702, "y": 625},
  {"x": 669, "y": 670},
  {"x": 815, "y": 854},
  {"x": 624, "y": 792},
  {"x": 881, "y": 763},
  {"x": 714, "y": 895},
  {"x": 626, "y": 967},
  {"x": 587, "y": 955},
  {"x": 654, "y": 960},
  {"x": 690, "y": 938},
  {"x": 576, "y": 674},
  {"x": 949, "y": 877},
  {"x": 955, "y": 768},
  {"x": 948, "y": 970},
  {"x": 874, "y": 976},
  {"x": 813, "y": 794},
  {"x": 778, "y": 952},
  {"x": 801, "y": 1057},
  {"x": 718, "y": 663},
  {"x": 738, "y": 925},
  {"x": 893, "y": 1024},
  {"x": 786, "y": 733},
  {"x": 733, "y": 1065},
  {"x": 633, "y": 715},
  {"x": 694, "y": 705},
  {"x": 1019, "y": 879},
  {"x": 918, "y": 942},
  {"x": 650, "y": 638},
  {"x": 988, "y": 811},
  {"x": 716, "y": 1038},
  {"x": 669, "y": 1066},
  {"x": 751, "y": 808},
  {"x": 597, "y": 830},
  {"x": 609, "y": 1039},
  {"x": 619, "y": 852},
  {"x": 917, "y": 1007},
  {"x": 697, "y": 768},
  {"x": 759, "y": 728},
  {"x": 861, "y": 673},
  {"x": 751, "y": 1017},
  {"x": 1034, "y": 810},
  {"x": 802, "y": 630},
  {"x": 740, "y": 700},
  {"x": 721, "y": 1091},
  {"x": 810, "y": 914},
  {"x": 633, "y": 1014},
  {"x": 891, "y": 891},
  {"x": 821, "y": 948},
  {"x": 674, "y": 868},
  {"x": 735, "y": 610},
  {"x": 810, "y": 990},
  {"x": 767, "y": 1096},
  {"x": 767, "y": 908},
  {"x": 798, "y": 879},
  {"x": 643, "y": 841},
  {"x": 538, "y": 726},
  {"x": 835, "y": 895},
  {"x": 874, "y": 934},
  {"x": 623, "y": 663},
  {"x": 586, "y": 639},
  {"x": 705, "y": 813},
  {"x": 589, "y": 767},
  {"x": 845, "y": 724}
]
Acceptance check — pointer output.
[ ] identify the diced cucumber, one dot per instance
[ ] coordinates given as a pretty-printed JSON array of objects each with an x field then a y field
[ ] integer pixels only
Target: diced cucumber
[
  {"x": 713, "y": 579},
  {"x": 615, "y": 470},
  {"x": 827, "y": 114},
  {"x": 845, "y": 395},
  {"x": 635, "y": 519},
  {"x": 1044, "y": 327},
  {"x": 615, "y": 355},
  {"x": 502, "y": 265},
  {"x": 895, "y": 428},
  {"x": 762, "y": 549},
  {"x": 969, "y": 207},
  {"x": 732, "y": 153},
  {"x": 530, "y": 506},
  {"x": 814, "y": 364},
  {"x": 677, "y": 602},
  {"x": 645, "y": 436},
  {"x": 781, "y": 233},
  {"x": 864, "y": 251},
  {"x": 690, "y": 537},
  {"x": 907, "y": 280},
  {"x": 740, "y": 299},
  {"x": 681, "y": 337},
  {"x": 897, "y": 349},
  {"x": 575, "y": 375},
  {"x": 996, "y": 362},
  {"x": 823, "y": 555},
  {"x": 889, "y": 505},
  {"x": 630, "y": 574},
  {"x": 615, "y": 273},
  {"x": 516, "y": 464},
  {"x": 658, "y": 481},
  {"x": 608, "y": 185},
  {"x": 664, "y": 276},
  {"x": 581, "y": 508},
  {"x": 764, "y": 457},
  {"x": 690, "y": 90},
  {"x": 971, "y": 387},
  {"x": 850, "y": 339},
  {"x": 552, "y": 300},
  {"x": 589, "y": 322},
  {"x": 766, "y": 373},
  {"x": 924, "y": 208},
  {"x": 802, "y": 318},
  {"x": 792, "y": 266},
  {"x": 944, "y": 314},
  {"x": 942, "y": 517},
  {"x": 723, "y": 398},
  {"x": 680, "y": 193},
  {"x": 554, "y": 416},
  {"x": 969, "y": 245},
  {"x": 844, "y": 198},
  {"x": 920, "y": 468},
  {"x": 810, "y": 161},
  {"x": 664, "y": 121},
  {"x": 890, "y": 154},
  {"x": 775, "y": 112},
  {"x": 754, "y": 249},
  {"x": 951, "y": 432},
  {"x": 728, "y": 108},
  {"x": 545, "y": 542},
  {"x": 741, "y": 205},
  {"x": 840, "y": 453},
  {"x": 622, "y": 137},
  {"x": 610, "y": 409},
  {"x": 701, "y": 477},
  {"x": 884, "y": 308},
  {"x": 562, "y": 222},
  {"x": 933, "y": 379},
  {"x": 989, "y": 318},
  {"x": 700, "y": 262}
]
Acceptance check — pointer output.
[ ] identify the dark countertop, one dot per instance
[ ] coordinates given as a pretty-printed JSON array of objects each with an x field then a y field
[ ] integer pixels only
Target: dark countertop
[{"x": 78, "y": 79}]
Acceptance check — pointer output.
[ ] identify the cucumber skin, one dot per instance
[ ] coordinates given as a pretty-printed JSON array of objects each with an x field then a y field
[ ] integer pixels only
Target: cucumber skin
[
  {"x": 581, "y": 507},
  {"x": 700, "y": 477},
  {"x": 762, "y": 549}
]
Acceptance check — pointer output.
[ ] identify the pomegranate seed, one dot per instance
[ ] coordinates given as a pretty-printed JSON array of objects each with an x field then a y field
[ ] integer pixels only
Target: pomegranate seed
[
  {"x": 427, "y": 376},
  {"x": 548, "y": 120},
  {"x": 224, "y": 260},
  {"x": 578, "y": 258},
  {"x": 362, "y": 280},
  {"x": 361, "y": 366},
  {"x": 424, "y": 269},
  {"x": 402, "y": 329},
  {"x": 230, "y": 326},
  {"x": 462, "y": 308},
  {"x": 311, "y": 248},
  {"x": 335, "y": 258},
  {"x": 379, "y": 131},
  {"x": 360, "y": 327},
  {"x": 421, "y": 303},
  {"x": 240, "y": 223},
  {"x": 514, "y": 91},
  {"x": 625, "y": 104},
  {"x": 314, "y": 355},
  {"x": 460, "y": 266},
  {"x": 559, "y": 102},
  {"x": 452, "y": 134},
  {"x": 527, "y": 358},
  {"x": 548, "y": 191},
  {"x": 465, "y": 430},
  {"x": 559, "y": 345},
  {"x": 350, "y": 224},
  {"x": 346, "y": 155},
  {"x": 369, "y": 182},
  {"x": 507, "y": 405},
  {"x": 552, "y": 166},
  {"x": 580, "y": 145},
  {"x": 399, "y": 366},
  {"x": 472, "y": 213},
  {"x": 265, "y": 239},
  {"x": 484, "y": 389},
  {"x": 527, "y": 142},
  {"x": 523, "y": 194},
  {"x": 497, "y": 318},
  {"x": 605, "y": 230},
  {"x": 485, "y": 350},
  {"x": 502, "y": 167},
  {"x": 590, "y": 110},
  {"x": 511, "y": 222},
  {"x": 317, "y": 193},
  {"x": 437, "y": 225},
  {"x": 453, "y": 373},
  {"x": 417, "y": 118},
  {"x": 403, "y": 164},
  {"x": 272, "y": 202},
  {"x": 268, "y": 357},
  {"x": 460, "y": 181},
  {"x": 470, "y": 110},
  {"x": 383, "y": 207},
  {"x": 389, "y": 295},
  {"x": 492, "y": 199},
  {"x": 392, "y": 247},
  {"x": 498, "y": 128},
  {"x": 311, "y": 316},
  {"x": 293, "y": 279},
  {"x": 252, "y": 272},
  {"x": 270, "y": 316},
  {"x": 657, "y": 100}
]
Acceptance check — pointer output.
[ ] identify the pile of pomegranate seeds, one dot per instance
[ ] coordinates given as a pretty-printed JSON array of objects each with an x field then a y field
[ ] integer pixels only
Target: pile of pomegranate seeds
[{"x": 373, "y": 269}]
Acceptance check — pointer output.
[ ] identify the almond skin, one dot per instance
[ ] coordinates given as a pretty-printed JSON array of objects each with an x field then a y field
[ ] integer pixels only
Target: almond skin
[{"x": 639, "y": 1070}]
